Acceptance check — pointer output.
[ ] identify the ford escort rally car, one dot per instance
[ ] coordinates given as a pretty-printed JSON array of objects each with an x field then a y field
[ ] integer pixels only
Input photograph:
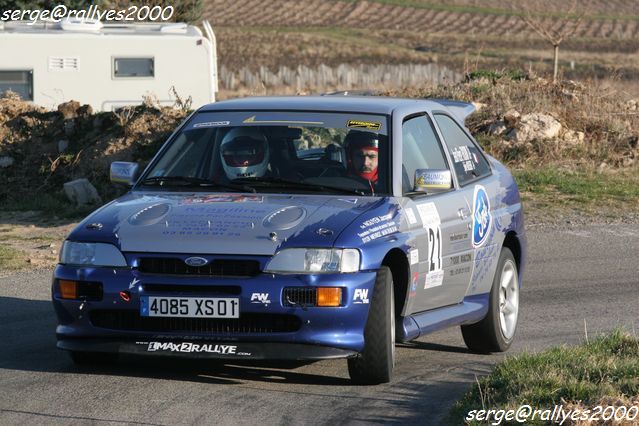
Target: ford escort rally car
[{"x": 299, "y": 228}]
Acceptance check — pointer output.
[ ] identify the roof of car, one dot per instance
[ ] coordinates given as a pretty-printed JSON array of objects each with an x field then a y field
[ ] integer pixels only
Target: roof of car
[{"x": 364, "y": 104}]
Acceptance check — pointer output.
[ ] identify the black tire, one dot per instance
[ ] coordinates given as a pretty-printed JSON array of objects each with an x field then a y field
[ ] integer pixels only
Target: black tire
[
  {"x": 375, "y": 364},
  {"x": 88, "y": 358},
  {"x": 487, "y": 336}
]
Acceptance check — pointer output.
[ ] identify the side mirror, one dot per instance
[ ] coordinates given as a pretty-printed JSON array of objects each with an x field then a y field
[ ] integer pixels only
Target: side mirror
[
  {"x": 124, "y": 173},
  {"x": 433, "y": 180}
]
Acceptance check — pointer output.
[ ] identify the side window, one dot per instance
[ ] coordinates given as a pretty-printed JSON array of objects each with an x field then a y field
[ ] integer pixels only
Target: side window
[
  {"x": 20, "y": 82},
  {"x": 420, "y": 150},
  {"x": 133, "y": 67},
  {"x": 468, "y": 162}
]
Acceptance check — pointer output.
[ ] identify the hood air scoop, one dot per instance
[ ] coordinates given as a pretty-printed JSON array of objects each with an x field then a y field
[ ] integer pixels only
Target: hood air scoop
[{"x": 285, "y": 218}]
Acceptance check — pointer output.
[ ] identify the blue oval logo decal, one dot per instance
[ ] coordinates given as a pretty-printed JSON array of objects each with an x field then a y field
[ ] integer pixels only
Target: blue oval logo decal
[
  {"x": 482, "y": 219},
  {"x": 196, "y": 261}
]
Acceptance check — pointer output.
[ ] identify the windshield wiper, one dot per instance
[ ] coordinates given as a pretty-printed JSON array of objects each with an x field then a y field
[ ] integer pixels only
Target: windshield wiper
[
  {"x": 297, "y": 184},
  {"x": 194, "y": 181}
]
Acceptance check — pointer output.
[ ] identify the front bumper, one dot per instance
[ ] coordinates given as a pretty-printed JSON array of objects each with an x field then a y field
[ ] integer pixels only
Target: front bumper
[{"x": 320, "y": 333}]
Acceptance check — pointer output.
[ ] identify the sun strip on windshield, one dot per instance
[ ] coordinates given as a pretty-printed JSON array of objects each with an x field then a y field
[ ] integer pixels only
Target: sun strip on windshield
[{"x": 253, "y": 120}]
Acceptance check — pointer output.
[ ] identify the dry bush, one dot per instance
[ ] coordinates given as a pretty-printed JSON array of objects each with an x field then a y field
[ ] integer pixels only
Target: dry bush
[
  {"x": 30, "y": 135},
  {"x": 124, "y": 116},
  {"x": 183, "y": 105}
]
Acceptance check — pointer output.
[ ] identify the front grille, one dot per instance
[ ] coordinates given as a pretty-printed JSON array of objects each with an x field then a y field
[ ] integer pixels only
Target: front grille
[
  {"x": 295, "y": 296},
  {"x": 185, "y": 288},
  {"x": 219, "y": 267},
  {"x": 247, "y": 323}
]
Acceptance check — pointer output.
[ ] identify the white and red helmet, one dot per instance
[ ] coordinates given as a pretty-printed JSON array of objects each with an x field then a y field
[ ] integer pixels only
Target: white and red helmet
[{"x": 244, "y": 152}]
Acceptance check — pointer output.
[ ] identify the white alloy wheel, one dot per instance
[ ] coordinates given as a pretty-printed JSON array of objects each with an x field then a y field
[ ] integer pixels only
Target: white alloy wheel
[
  {"x": 508, "y": 299},
  {"x": 393, "y": 327}
]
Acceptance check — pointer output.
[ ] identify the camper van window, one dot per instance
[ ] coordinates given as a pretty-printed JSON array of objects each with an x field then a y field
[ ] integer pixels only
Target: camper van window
[
  {"x": 20, "y": 82},
  {"x": 133, "y": 67}
]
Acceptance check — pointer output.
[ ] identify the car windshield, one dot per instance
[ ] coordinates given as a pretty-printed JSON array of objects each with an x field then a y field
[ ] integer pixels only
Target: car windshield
[{"x": 281, "y": 152}]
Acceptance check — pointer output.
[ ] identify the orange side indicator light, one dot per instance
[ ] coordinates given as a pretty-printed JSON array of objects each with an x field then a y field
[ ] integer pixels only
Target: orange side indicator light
[
  {"x": 329, "y": 296},
  {"x": 68, "y": 289}
]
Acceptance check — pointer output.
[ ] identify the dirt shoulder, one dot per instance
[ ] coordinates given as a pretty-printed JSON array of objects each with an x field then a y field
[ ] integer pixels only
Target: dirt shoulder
[{"x": 30, "y": 240}]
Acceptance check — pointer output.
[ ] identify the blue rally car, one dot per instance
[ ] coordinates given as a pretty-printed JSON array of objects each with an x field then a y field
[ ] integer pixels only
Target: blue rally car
[{"x": 299, "y": 228}]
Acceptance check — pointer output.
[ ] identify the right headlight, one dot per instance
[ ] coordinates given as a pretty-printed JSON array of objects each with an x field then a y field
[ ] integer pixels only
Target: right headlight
[
  {"x": 91, "y": 254},
  {"x": 314, "y": 261}
]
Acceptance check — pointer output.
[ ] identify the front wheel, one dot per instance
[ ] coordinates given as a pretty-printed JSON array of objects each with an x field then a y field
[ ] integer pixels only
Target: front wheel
[
  {"x": 496, "y": 331},
  {"x": 376, "y": 362}
]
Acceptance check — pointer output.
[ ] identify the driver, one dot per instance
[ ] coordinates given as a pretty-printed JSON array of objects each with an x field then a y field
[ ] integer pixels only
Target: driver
[
  {"x": 245, "y": 153},
  {"x": 363, "y": 155}
]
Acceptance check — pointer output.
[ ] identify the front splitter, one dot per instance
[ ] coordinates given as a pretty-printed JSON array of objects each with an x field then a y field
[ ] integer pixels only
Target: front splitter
[{"x": 207, "y": 349}]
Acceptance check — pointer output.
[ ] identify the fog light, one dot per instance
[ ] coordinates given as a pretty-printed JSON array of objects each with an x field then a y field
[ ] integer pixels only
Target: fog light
[
  {"x": 329, "y": 296},
  {"x": 68, "y": 289}
]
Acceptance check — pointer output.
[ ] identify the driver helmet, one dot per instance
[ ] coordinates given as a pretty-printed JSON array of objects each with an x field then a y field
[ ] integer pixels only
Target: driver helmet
[{"x": 245, "y": 153}]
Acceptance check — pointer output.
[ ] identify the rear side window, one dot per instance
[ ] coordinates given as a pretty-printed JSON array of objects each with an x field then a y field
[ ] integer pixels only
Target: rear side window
[
  {"x": 420, "y": 150},
  {"x": 468, "y": 161}
]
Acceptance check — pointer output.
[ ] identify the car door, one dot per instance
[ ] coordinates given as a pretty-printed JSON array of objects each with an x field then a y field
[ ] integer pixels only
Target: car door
[
  {"x": 443, "y": 241},
  {"x": 470, "y": 167}
]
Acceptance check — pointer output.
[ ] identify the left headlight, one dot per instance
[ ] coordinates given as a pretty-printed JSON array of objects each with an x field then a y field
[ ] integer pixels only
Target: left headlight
[
  {"x": 314, "y": 261},
  {"x": 93, "y": 254}
]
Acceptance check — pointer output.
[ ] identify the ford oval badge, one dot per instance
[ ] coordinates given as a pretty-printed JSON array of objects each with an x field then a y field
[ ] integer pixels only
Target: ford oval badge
[
  {"x": 482, "y": 218},
  {"x": 196, "y": 261}
]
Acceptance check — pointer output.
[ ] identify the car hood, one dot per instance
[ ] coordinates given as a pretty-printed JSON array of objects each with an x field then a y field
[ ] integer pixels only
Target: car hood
[{"x": 251, "y": 224}]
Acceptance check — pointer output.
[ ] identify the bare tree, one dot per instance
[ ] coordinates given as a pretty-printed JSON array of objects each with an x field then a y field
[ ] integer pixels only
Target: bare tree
[{"x": 536, "y": 16}]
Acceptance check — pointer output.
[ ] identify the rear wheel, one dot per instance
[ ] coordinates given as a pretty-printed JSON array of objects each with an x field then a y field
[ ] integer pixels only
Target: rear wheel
[
  {"x": 496, "y": 331},
  {"x": 375, "y": 364}
]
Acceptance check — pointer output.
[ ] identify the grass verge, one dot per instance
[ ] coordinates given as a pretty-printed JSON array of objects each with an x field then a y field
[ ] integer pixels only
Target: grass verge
[
  {"x": 601, "y": 194},
  {"x": 11, "y": 259},
  {"x": 605, "y": 369}
]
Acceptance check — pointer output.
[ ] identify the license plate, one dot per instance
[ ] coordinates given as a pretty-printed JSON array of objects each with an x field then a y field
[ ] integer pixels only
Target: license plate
[{"x": 189, "y": 307}]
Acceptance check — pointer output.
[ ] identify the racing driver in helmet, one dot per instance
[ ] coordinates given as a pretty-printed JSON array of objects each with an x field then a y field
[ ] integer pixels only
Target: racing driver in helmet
[
  {"x": 244, "y": 152},
  {"x": 363, "y": 157}
]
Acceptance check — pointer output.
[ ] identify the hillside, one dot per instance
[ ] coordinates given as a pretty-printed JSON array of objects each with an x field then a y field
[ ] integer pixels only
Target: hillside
[
  {"x": 606, "y": 20},
  {"x": 463, "y": 35}
]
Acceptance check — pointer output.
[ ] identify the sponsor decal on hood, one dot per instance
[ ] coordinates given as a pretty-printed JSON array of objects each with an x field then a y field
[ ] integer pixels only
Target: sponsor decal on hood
[{"x": 216, "y": 223}]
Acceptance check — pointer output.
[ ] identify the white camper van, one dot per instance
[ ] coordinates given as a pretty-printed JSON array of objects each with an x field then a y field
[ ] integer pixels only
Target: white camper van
[{"x": 107, "y": 65}]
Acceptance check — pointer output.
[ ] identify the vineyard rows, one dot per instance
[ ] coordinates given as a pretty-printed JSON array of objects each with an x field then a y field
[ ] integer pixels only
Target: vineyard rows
[{"x": 373, "y": 15}]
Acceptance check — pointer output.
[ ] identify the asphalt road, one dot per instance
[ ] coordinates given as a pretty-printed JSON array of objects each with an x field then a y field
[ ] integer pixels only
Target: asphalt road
[{"x": 579, "y": 278}]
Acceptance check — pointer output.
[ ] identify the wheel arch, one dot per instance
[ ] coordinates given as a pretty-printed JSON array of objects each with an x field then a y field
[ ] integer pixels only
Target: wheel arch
[
  {"x": 397, "y": 262},
  {"x": 512, "y": 242}
]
